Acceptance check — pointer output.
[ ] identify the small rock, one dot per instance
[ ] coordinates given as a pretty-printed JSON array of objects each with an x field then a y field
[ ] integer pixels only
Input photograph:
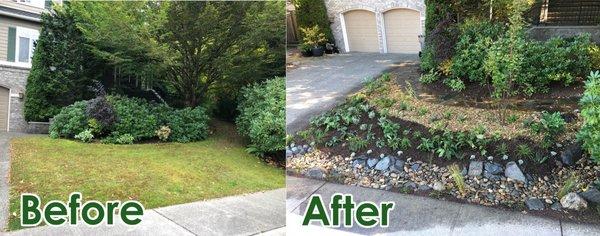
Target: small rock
[
  {"x": 305, "y": 146},
  {"x": 369, "y": 151},
  {"x": 493, "y": 168},
  {"x": 399, "y": 153},
  {"x": 464, "y": 171},
  {"x": 505, "y": 157},
  {"x": 381, "y": 155},
  {"x": 415, "y": 167},
  {"x": 573, "y": 201},
  {"x": 553, "y": 153},
  {"x": 410, "y": 185},
  {"x": 572, "y": 154},
  {"x": 292, "y": 144},
  {"x": 591, "y": 195},
  {"x": 312, "y": 143},
  {"x": 398, "y": 166},
  {"x": 424, "y": 187},
  {"x": 383, "y": 164},
  {"x": 438, "y": 186},
  {"x": 315, "y": 173},
  {"x": 358, "y": 162},
  {"x": 512, "y": 171},
  {"x": 558, "y": 145},
  {"x": 556, "y": 206},
  {"x": 534, "y": 204},
  {"x": 472, "y": 157},
  {"x": 490, "y": 158},
  {"x": 288, "y": 153},
  {"x": 520, "y": 162},
  {"x": 352, "y": 154},
  {"x": 475, "y": 168},
  {"x": 371, "y": 162}
]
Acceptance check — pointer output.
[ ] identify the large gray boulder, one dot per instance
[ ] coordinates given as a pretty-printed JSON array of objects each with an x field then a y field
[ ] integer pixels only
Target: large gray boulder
[{"x": 513, "y": 171}]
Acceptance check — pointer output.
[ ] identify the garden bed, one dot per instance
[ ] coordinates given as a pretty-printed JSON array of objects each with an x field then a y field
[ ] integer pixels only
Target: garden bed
[
  {"x": 502, "y": 161},
  {"x": 156, "y": 174}
]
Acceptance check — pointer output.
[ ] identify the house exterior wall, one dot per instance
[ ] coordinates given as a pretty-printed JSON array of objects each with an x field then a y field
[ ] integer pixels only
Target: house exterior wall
[
  {"x": 335, "y": 9},
  {"x": 15, "y": 78},
  {"x": 6, "y": 22}
]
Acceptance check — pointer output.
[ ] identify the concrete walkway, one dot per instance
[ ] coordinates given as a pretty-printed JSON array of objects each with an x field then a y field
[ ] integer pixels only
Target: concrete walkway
[
  {"x": 414, "y": 215},
  {"x": 4, "y": 169},
  {"x": 318, "y": 84},
  {"x": 260, "y": 213}
]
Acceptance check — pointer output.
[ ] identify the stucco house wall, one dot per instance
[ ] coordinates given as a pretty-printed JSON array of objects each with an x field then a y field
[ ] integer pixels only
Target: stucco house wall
[{"x": 335, "y": 9}]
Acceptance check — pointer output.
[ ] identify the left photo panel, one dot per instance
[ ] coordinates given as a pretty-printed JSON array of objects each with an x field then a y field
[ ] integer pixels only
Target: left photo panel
[{"x": 142, "y": 117}]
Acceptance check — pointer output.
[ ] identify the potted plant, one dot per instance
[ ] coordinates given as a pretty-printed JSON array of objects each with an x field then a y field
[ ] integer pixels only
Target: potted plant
[{"x": 314, "y": 38}]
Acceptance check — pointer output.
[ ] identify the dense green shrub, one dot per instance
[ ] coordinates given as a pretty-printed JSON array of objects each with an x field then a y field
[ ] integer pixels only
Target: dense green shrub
[
  {"x": 59, "y": 74},
  {"x": 70, "y": 121},
  {"x": 476, "y": 36},
  {"x": 590, "y": 103},
  {"x": 313, "y": 12},
  {"x": 135, "y": 120},
  {"x": 188, "y": 125},
  {"x": 262, "y": 116},
  {"x": 134, "y": 117}
]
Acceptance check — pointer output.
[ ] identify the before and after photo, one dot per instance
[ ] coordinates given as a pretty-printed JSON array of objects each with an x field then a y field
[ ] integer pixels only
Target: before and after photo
[{"x": 300, "y": 117}]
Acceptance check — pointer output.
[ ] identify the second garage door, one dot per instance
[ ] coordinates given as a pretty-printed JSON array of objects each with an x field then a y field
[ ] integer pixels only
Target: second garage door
[
  {"x": 402, "y": 30},
  {"x": 361, "y": 30}
]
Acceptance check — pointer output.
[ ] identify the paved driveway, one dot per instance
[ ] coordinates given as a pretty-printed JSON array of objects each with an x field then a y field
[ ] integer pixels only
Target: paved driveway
[{"x": 316, "y": 85}]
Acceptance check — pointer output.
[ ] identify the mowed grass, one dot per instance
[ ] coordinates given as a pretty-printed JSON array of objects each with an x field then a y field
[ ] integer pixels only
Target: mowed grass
[{"x": 157, "y": 174}]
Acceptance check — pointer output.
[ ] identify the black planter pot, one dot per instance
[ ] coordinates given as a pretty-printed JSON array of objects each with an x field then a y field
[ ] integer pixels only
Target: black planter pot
[
  {"x": 318, "y": 51},
  {"x": 307, "y": 53}
]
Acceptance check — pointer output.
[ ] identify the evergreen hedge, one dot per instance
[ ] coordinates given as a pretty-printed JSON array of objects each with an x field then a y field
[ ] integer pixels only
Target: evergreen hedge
[{"x": 313, "y": 12}]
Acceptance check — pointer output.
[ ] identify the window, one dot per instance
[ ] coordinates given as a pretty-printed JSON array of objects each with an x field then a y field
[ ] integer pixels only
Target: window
[{"x": 24, "y": 45}]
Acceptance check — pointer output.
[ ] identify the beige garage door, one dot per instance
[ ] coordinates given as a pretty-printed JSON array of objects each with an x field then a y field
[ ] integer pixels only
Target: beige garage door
[
  {"x": 402, "y": 30},
  {"x": 361, "y": 29},
  {"x": 4, "y": 92}
]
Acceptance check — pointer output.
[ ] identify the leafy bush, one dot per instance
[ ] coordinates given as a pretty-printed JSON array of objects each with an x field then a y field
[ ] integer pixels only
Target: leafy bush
[
  {"x": 262, "y": 116},
  {"x": 70, "y": 121},
  {"x": 312, "y": 36},
  {"x": 313, "y": 12},
  {"x": 550, "y": 125},
  {"x": 135, "y": 117},
  {"x": 475, "y": 39},
  {"x": 188, "y": 125},
  {"x": 590, "y": 104},
  {"x": 595, "y": 56},
  {"x": 430, "y": 77},
  {"x": 85, "y": 136}
]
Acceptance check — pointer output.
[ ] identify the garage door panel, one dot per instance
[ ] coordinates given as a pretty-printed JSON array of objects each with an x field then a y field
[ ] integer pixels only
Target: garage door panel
[
  {"x": 361, "y": 30},
  {"x": 402, "y": 30}
]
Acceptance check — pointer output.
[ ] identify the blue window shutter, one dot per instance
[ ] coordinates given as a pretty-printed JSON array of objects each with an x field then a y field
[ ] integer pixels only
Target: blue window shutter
[{"x": 12, "y": 40}]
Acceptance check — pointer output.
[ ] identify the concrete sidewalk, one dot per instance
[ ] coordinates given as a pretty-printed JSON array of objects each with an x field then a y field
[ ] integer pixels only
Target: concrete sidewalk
[
  {"x": 414, "y": 215},
  {"x": 260, "y": 213}
]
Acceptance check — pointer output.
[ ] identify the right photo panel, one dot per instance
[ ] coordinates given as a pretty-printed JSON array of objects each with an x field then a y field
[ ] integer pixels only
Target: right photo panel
[{"x": 433, "y": 117}]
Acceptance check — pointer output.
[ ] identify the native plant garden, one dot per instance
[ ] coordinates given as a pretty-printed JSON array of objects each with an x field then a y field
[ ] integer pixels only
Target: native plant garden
[{"x": 493, "y": 118}]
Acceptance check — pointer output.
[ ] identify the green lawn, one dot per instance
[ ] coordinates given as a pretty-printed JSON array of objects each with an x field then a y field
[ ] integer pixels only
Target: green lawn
[{"x": 157, "y": 175}]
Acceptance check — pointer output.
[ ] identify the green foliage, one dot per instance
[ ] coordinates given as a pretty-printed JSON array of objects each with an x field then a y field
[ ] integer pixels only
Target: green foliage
[
  {"x": 313, "y": 12},
  {"x": 189, "y": 125},
  {"x": 62, "y": 67},
  {"x": 391, "y": 134},
  {"x": 312, "y": 36},
  {"x": 455, "y": 84},
  {"x": 590, "y": 104},
  {"x": 356, "y": 143},
  {"x": 457, "y": 176},
  {"x": 539, "y": 158},
  {"x": 429, "y": 77},
  {"x": 524, "y": 151},
  {"x": 502, "y": 149},
  {"x": 85, "y": 136},
  {"x": 567, "y": 186},
  {"x": 377, "y": 85},
  {"x": 262, "y": 116},
  {"x": 595, "y": 56},
  {"x": 135, "y": 117},
  {"x": 471, "y": 51},
  {"x": 550, "y": 125},
  {"x": 124, "y": 139},
  {"x": 70, "y": 121}
]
